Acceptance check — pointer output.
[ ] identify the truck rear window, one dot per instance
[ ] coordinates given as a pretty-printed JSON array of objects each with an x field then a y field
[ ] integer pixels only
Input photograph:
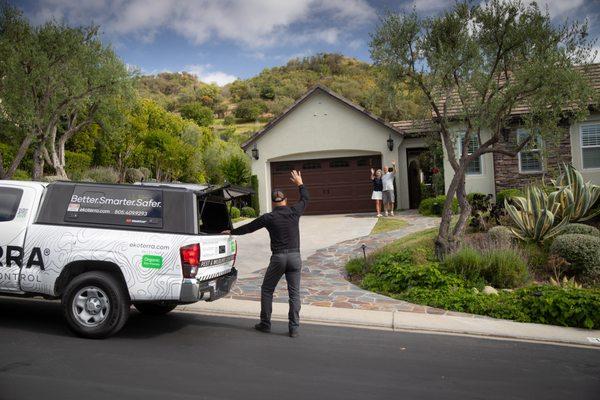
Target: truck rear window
[
  {"x": 10, "y": 198},
  {"x": 116, "y": 206}
]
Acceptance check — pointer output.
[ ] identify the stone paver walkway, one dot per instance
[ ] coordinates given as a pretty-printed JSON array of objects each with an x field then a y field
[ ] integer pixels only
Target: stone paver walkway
[{"x": 324, "y": 277}]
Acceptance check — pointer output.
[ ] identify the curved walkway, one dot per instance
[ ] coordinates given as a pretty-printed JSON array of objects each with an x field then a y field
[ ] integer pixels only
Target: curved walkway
[{"x": 324, "y": 277}]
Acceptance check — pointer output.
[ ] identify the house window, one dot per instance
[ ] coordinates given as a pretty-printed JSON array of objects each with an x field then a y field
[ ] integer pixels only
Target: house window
[
  {"x": 311, "y": 165},
  {"x": 474, "y": 167},
  {"x": 339, "y": 164},
  {"x": 530, "y": 159},
  {"x": 590, "y": 146}
]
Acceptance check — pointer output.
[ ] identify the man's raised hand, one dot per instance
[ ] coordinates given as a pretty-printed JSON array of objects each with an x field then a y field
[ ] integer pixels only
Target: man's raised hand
[{"x": 296, "y": 178}]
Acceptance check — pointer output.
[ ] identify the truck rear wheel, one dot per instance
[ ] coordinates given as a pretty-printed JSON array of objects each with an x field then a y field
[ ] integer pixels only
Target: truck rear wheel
[
  {"x": 155, "y": 308},
  {"x": 95, "y": 305}
]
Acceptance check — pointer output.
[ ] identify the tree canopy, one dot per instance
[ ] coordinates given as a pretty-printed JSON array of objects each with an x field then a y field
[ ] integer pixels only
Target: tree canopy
[{"x": 476, "y": 65}]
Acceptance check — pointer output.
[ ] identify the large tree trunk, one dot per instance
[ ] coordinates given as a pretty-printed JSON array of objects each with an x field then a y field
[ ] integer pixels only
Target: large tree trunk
[
  {"x": 38, "y": 162},
  {"x": 8, "y": 174},
  {"x": 449, "y": 237}
]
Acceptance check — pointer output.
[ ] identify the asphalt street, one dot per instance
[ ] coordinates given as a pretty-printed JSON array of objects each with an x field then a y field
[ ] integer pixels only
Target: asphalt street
[{"x": 186, "y": 356}]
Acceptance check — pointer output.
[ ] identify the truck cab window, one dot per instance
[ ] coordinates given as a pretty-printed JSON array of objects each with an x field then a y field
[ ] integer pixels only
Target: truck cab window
[{"x": 10, "y": 199}]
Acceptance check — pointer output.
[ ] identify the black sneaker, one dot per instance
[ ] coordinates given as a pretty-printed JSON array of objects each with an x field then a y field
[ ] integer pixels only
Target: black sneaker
[
  {"x": 294, "y": 334},
  {"x": 262, "y": 328}
]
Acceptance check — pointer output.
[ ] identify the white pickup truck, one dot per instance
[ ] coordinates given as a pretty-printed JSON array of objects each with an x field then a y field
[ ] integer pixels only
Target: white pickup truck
[{"x": 100, "y": 248}]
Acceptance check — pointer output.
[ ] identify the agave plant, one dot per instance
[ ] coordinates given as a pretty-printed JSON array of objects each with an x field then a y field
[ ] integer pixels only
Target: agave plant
[
  {"x": 582, "y": 196},
  {"x": 537, "y": 216}
]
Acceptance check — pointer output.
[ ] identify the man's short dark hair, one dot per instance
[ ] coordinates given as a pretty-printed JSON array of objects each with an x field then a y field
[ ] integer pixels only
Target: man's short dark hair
[{"x": 277, "y": 196}]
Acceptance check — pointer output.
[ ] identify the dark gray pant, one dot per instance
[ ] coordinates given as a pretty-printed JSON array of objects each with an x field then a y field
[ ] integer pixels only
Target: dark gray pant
[{"x": 289, "y": 264}]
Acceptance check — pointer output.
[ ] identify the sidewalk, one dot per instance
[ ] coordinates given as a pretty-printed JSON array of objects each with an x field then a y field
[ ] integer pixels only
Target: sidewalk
[{"x": 406, "y": 321}]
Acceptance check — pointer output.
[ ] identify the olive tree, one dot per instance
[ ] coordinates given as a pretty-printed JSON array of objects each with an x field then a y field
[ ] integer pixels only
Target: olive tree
[
  {"x": 475, "y": 65},
  {"x": 55, "y": 81}
]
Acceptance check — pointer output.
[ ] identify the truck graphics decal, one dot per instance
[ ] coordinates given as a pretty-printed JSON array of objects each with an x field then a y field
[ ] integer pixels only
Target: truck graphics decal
[
  {"x": 150, "y": 262},
  {"x": 14, "y": 255}
]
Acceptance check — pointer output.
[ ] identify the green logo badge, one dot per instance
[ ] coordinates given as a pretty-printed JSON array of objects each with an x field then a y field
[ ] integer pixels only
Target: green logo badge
[{"x": 150, "y": 261}]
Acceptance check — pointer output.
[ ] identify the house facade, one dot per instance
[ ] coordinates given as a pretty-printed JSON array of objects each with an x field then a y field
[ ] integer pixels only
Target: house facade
[{"x": 335, "y": 143}]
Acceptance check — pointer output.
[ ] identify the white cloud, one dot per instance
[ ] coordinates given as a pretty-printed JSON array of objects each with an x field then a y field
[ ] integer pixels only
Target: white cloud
[
  {"x": 558, "y": 8},
  {"x": 429, "y": 5},
  {"x": 204, "y": 73},
  {"x": 254, "y": 23}
]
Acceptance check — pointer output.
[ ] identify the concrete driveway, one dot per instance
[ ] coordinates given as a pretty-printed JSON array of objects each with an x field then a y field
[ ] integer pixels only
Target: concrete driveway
[{"x": 316, "y": 232}]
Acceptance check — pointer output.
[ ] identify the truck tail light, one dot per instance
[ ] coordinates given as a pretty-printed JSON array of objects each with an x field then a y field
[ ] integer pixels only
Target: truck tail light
[
  {"x": 190, "y": 260},
  {"x": 235, "y": 253}
]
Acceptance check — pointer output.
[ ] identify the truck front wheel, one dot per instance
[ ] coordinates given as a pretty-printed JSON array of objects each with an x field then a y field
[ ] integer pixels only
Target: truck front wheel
[
  {"x": 155, "y": 308},
  {"x": 95, "y": 305}
]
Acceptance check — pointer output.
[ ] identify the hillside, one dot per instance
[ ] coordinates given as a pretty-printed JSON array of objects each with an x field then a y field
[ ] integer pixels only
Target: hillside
[{"x": 245, "y": 105}]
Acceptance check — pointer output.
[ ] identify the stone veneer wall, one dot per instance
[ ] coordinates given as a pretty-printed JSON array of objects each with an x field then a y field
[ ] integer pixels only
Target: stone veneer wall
[{"x": 506, "y": 168}]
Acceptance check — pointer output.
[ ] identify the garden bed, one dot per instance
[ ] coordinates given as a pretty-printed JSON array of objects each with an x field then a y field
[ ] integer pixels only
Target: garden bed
[{"x": 407, "y": 270}]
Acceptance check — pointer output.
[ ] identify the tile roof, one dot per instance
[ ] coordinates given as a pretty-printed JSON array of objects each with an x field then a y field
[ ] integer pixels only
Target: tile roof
[{"x": 420, "y": 127}]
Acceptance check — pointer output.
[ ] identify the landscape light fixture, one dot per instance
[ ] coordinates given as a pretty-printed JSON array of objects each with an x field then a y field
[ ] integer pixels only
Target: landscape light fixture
[
  {"x": 390, "y": 143},
  {"x": 255, "y": 152}
]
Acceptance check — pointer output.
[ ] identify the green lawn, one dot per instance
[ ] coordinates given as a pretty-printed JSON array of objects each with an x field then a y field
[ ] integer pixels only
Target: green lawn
[{"x": 388, "y": 224}]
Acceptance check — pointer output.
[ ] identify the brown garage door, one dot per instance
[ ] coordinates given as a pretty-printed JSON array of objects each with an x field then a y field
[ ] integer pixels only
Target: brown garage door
[{"x": 336, "y": 185}]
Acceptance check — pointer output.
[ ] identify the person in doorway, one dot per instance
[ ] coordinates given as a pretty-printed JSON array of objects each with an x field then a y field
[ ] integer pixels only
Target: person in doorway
[
  {"x": 388, "y": 189},
  {"x": 377, "y": 190},
  {"x": 282, "y": 224}
]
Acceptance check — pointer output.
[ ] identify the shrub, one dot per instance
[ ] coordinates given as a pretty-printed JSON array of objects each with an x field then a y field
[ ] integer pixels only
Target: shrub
[
  {"x": 146, "y": 172},
  {"x": 234, "y": 212},
  {"x": 507, "y": 194},
  {"x": 102, "y": 174},
  {"x": 561, "y": 306},
  {"x": 355, "y": 267},
  {"x": 393, "y": 277},
  {"x": 471, "y": 197},
  {"x": 435, "y": 205},
  {"x": 202, "y": 115},
  {"x": 229, "y": 120},
  {"x": 500, "y": 234},
  {"x": 76, "y": 163},
  {"x": 248, "y": 110},
  {"x": 505, "y": 269},
  {"x": 501, "y": 268},
  {"x": 539, "y": 304},
  {"x": 248, "y": 212},
  {"x": 466, "y": 262},
  {"x": 581, "y": 251},
  {"x": 21, "y": 175},
  {"x": 133, "y": 175},
  {"x": 580, "y": 229}
]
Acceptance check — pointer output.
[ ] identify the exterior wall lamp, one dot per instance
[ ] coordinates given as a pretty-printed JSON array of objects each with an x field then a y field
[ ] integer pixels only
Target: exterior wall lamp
[
  {"x": 255, "y": 152},
  {"x": 390, "y": 143}
]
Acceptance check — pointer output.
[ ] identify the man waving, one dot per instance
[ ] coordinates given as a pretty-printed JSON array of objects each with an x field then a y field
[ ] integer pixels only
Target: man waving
[{"x": 282, "y": 224}]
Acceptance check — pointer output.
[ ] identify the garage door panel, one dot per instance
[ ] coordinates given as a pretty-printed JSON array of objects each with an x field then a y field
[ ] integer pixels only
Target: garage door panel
[{"x": 336, "y": 185}]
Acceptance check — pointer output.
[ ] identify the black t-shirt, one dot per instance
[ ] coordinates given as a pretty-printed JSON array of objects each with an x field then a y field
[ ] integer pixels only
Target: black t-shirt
[
  {"x": 377, "y": 185},
  {"x": 282, "y": 224}
]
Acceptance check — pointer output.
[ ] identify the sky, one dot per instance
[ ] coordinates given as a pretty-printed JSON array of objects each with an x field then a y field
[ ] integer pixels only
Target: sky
[{"x": 221, "y": 40}]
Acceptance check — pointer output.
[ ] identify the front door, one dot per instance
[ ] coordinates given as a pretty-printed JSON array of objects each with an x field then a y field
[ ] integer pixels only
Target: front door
[{"x": 414, "y": 184}]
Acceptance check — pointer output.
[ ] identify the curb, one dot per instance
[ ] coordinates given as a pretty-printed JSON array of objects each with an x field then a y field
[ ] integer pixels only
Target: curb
[{"x": 401, "y": 321}]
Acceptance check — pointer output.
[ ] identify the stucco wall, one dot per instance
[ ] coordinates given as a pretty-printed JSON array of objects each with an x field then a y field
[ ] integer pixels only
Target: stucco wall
[
  {"x": 483, "y": 183},
  {"x": 320, "y": 127},
  {"x": 575, "y": 129}
]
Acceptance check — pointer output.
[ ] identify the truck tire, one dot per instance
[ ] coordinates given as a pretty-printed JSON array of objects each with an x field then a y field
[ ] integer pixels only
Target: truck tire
[
  {"x": 155, "y": 308},
  {"x": 95, "y": 305}
]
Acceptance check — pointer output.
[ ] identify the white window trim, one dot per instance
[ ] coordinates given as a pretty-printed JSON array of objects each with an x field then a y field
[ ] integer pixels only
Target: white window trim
[
  {"x": 530, "y": 172},
  {"x": 460, "y": 136},
  {"x": 581, "y": 146}
]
